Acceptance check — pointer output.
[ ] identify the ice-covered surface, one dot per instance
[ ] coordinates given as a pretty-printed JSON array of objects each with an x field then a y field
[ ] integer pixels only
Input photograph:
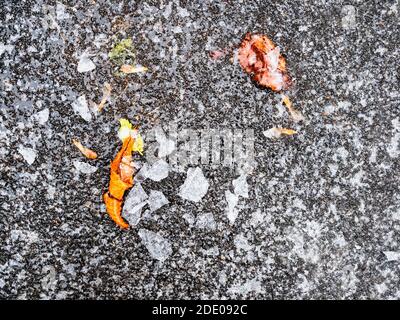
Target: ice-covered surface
[{"x": 322, "y": 217}]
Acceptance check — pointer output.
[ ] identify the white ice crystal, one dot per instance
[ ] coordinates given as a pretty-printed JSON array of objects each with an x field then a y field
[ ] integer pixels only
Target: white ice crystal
[
  {"x": 135, "y": 201},
  {"x": 166, "y": 146},
  {"x": 42, "y": 116},
  {"x": 241, "y": 188},
  {"x": 84, "y": 167},
  {"x": 158, "y": 247},
  {"x": 195, "y": 186},
  {"x": 158, "y": 171},
  {"x": 206, "y": 221},
  {"x": 85, "y": 64},
  {"x": 392, "y": 255},
  {"x": 28, "y": 154},
  {"x": 231, "y": 210},
  {"x": 156, "y": 200},
  {"x": 80, "y": 106}
]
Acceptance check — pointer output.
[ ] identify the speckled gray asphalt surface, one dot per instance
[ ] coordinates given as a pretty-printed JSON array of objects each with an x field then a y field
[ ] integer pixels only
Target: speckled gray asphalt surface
[{"x": 323, "y": 212}]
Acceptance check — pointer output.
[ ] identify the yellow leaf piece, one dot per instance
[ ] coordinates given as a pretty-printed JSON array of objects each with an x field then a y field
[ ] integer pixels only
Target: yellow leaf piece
[
  {"x": 125, "y": 129},
  {"x": 106, "y": 96},
  {"x": 127, "y": 68},
  {"x": 138, "y": 145},
  {"x": 295, "y": 114},
  {"x": 275, "y": 132},
  {"x": 90, "y": 154}
]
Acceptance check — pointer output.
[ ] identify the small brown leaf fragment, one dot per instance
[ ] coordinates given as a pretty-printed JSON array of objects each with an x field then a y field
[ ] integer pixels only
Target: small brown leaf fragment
[
  {"x": 262, "y": 59},
  {"x": 295, "y": 114},
  {"x": 278, "y": 132},
  {"x": 90, "y": 154},
  {"x": 128, "y": 69},
  {"x": 106, "y": 96}
]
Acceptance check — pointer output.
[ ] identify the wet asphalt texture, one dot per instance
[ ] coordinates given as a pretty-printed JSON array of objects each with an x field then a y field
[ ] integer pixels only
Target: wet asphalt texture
[{"x": 322, "y": 219}]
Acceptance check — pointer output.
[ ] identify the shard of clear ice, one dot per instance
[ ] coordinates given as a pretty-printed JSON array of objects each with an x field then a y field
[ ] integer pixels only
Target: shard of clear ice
[
  {"x": 84, "y": 167},
  {"x": 85, "y": 64},
  {"x": 158, "y": 247},
  {"x": 241, "y": 188},
  {"x": 156, "y": 200},
  {"x": 135, "y": 201},
  {"x": 158, "y": 171},
  {"x": 80, "y": 106},
  {"x": 195, "y": 186},
  {"x": 28, "y": 154}
]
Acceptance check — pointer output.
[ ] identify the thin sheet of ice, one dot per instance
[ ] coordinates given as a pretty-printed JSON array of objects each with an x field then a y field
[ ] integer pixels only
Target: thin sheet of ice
[
  {"x": 42, "y": 116},
  {"x": 135, "y": 201},
  {"x": 156, "y": 200},
  {"x": 80, "y": 106},
  {"x": 158, "y": 247},
  {"x": 241, "y": 188},
  {"x": 158, "y": 171},
  {"x": 195, "y": 186},
  {"x": 28, "y": 154},
  {"x": 231, "y": 210},
  {"x": 85, "y": 64},
  {"x": 84, "y": 167},
  {"x": 206, "y": 221},
  {"x": 165, "y": 145},
  {"x": 392, "y": 255}
]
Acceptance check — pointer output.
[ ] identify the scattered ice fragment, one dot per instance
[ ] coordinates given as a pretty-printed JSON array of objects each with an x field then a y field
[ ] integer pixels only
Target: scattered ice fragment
[
  {"x": 252, "y": 285},
  {"x": 189, "y": 218},
  {"x": 195, "y": 186},
  {"x": 166, "y": 146},
  {"x": 213, "y": 251},
  {"x": 85, "y": 64},
  {"x": 241, "y": 188},
  {"x": 158, "y": 247},
  {"x": 42, "y": 116},
  {"x": 231, "y": 210},
  {"x": 135, "y": 201},
  {"x": 84, "y": 167},
  {"x": 61, "y": 14},
  {"x": 5, "y": 47},
  {"x": 28, "y": 154},
  {"x": 80, "y": 106},
  {"x": 158, "y": 171},
  {"x": 156, "y": 200},
  {"x": 392, "y": 255},
  {"x": 241, "y": 242},
  {"x": 206, "y": 221}
]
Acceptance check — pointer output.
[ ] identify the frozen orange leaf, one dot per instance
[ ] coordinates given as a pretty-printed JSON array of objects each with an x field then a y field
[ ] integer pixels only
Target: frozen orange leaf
[
  {"x": 278, "y": 132},
  {"x": 121, "y": 173},
  {"x": 106, "y": 96},
  {"x": 295, "y": 114},
  {"x": 90, "y": 154},
  {"x": 259, "y": 57},
  {"x": 127, "y": 68}
]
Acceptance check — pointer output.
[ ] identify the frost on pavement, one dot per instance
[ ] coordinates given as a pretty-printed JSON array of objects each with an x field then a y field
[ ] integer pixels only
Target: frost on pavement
[
  {"x": 158, "y": 171},
  {"x": 80, "y": 106},
  {"x": 241, "y": 188},
  {"x": 156, "y": 200},
  {"x": 85, "y": 64},
  {"x": 195, "y": 186},
  {"x": 135, "y": 201},
  {"x": 28, "y": 154},
  {"x": 231, "y": 210},
  {"x": 158, "y": 247},
  {"x": 84, "y": 167}
]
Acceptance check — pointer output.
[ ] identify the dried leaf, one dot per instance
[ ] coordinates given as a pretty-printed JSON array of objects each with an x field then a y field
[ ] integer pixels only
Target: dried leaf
[
  {"x": 106, "y": 96},
  {"x": 122, "y": 52},
  {"x": 259, "y": 57},
  {"x": 90, "y": 154},
  {"x": 295, "y": 114},
  {"x": 128, "y": 69},
  {"x": 278, "y": 132}
]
